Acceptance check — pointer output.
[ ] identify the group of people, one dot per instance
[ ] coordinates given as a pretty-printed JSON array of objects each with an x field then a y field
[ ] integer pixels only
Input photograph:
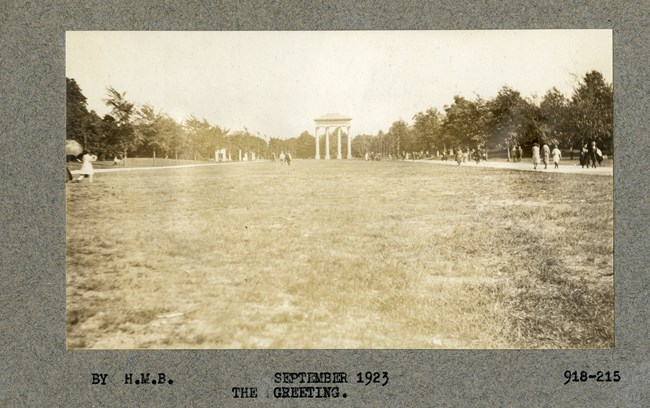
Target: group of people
[
  {"x": 545, "y": 154},
  {"x": 283, "y": 158},
  {"x": 517, "y": 153},
  {"x": 477, "y": 154},
  {"x": 590, "y": 155}
]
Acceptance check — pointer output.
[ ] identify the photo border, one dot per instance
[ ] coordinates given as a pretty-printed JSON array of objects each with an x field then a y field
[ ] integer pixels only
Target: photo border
[{"x": 40, "y": 371}]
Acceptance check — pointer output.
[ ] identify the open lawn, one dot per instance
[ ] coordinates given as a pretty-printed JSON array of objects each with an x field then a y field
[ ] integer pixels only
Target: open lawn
[{"x": 340, "y": 254}]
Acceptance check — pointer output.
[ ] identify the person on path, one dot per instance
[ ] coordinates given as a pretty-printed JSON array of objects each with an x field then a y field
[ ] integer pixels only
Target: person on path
[
  {"x": 599, "y": 156},
  {"x": 513, "y": 154},
  {"x": 546, "y": 152},
  {"x": 592, "y": 155},
  {"x": 536, "y": 158},
  {"x": 557, "y": 155},
  {"x": 87, "y": 167},
  {"x": 459, "y": 156},
  {"x": 584, "y": 158},
  {"x": 477, "y": 155},
  {"x": 520, "y": 153}
]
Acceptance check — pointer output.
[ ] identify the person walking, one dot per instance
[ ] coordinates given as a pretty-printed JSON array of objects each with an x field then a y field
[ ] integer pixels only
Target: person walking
[
  {"x": 459, "y": 156},
  {"x": 584, "y": 158},
  {"x": 477, "y": 155},
  {"x": 536, "y": 158},
  {"x": 546, "y": 152},
  {"x": 557, "y": 155},
  {"x": 599, "y": 156},
  {"x": 87, "y": 169},
  {"x": 592, "y": 155},
  {"x": 520, "y": 153}
]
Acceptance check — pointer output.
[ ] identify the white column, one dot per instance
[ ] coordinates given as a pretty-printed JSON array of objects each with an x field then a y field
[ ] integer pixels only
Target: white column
[
  {"x": 317, "y": 145},
  {"x": 349, "y": 143},
  {"x": 327, "y": 143},
  {"x": 338, "y": 143}
]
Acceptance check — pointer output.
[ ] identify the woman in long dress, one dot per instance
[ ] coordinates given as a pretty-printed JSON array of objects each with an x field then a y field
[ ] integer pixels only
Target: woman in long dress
[
  {"x": 557, "y": 155},
  {"x": 87, "y": 169},
  {"x": 536, "y": 158}
]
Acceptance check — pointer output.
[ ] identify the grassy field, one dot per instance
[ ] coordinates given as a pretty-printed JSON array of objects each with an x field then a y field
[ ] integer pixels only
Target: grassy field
[{"x": 340, "y": 254}]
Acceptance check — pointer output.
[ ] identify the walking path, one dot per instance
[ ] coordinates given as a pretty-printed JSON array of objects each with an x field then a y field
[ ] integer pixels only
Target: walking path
[
  {"x": 180, "y": 166},
  {"x": 567, "y": 167}
]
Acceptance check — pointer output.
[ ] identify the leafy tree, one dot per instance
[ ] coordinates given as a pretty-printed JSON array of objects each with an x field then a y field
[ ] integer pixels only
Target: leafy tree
[
  {"x": 533, "y": 128},
  {"x": 158, "y": 133},
  {"x": 361, "y": 145},
  {"x": 505, "y": 118},
  {"x": 95, "y": 137},
  {"x": 305, "y": 145},
  {"x": 76, "y": 112},
  {"x": 465, "y": 122},
  {"x": 123, "y": 136},
  {"x": 427, "y": 128},
  {"x": 554, "y": 112},
  {"x": 401, "y": 140},
  {"x": 203, "y": 138},
  {"x": 591, "y": 111}
]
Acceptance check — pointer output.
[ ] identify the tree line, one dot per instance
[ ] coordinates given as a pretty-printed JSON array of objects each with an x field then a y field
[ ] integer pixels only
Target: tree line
[
  {"x": 130, "y": 131},
  {"x": 494, "y": 124},
  {"x": 508, "y": 119}
]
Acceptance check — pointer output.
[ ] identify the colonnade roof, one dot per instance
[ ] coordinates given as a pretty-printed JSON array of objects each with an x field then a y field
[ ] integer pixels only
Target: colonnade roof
[{"x": 332, "y": 118}]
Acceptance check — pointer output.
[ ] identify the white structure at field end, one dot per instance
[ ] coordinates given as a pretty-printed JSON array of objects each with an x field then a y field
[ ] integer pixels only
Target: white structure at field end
[{"x": 335, "y": 123}]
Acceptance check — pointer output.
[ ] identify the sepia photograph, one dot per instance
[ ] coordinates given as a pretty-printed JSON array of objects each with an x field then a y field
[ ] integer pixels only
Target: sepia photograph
[{"x": 339, "y": 189}]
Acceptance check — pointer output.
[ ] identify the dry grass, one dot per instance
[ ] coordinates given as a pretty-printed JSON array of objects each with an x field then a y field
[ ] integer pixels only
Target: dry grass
[{"x": 340, "y": 255}]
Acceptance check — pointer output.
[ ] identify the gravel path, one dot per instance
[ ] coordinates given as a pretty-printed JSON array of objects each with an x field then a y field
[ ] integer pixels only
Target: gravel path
[{"x": 567, "y": 167}]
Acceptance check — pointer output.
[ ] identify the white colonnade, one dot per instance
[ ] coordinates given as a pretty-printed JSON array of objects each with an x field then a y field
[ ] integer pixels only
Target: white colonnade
[{"x": 333, "y": 122}]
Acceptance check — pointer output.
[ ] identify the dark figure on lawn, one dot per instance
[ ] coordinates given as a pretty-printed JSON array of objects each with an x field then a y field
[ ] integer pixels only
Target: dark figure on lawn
[
  {"x": 592, "y": 155},
  {"x": 520, "y": 153},
  {"x": 477, "y": 155},
  {"x": 584, "y": 156}
]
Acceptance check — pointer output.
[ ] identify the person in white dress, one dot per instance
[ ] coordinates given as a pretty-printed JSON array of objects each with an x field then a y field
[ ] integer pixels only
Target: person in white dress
[
  {"x": 87, "y": 169},
  {"x": 546, "y": 151},
  {"x": 557, "y": 155},
  {"x": 536, "y": 158}
]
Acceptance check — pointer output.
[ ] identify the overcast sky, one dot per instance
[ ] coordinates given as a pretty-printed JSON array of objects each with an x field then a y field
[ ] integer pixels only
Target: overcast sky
[{"x": 276, "y": 83}]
